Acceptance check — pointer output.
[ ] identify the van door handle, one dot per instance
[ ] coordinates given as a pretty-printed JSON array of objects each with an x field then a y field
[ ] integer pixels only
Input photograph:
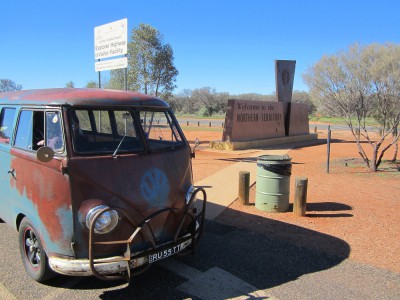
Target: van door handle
[{"x": 12, "y": 172}]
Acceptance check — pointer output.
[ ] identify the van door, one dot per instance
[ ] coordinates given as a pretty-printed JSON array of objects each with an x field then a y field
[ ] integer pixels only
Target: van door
[
  {"x": 40, "y": 190},
  {"x": 6, "y": 132}
]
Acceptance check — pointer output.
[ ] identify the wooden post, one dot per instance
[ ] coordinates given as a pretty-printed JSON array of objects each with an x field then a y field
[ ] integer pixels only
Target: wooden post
[
  {"x": 187, "y": 123},
  {"x": 300, "y": 196},
  {"x": 198, "y": 124},
  {"x": 244, "y": 187},
  {"x": 210, "y": 124}
]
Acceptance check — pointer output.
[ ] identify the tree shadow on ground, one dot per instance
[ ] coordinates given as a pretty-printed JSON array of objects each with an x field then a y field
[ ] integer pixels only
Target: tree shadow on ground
[
  {"x": 249, "y": 159},
  {"x": 354, "y": 165},
  {"x": 339, "y": 141}
]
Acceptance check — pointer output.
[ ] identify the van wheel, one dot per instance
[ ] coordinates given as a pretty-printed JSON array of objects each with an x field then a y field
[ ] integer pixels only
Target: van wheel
[{"x": 32, "y": 253}]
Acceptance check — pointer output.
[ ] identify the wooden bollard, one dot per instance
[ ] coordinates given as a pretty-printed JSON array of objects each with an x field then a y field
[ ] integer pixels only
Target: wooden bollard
[
  {"x": 244, "y": 187},
  {"x": 198, "y": 124},
  {"x": 187, "y": 123},
  {"x": 210, "y": 124},
  {"x": 300, "y": 196}
]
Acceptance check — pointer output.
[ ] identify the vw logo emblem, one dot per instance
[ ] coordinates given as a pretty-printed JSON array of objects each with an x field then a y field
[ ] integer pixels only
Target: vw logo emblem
[{"x": 154, "y": 187}]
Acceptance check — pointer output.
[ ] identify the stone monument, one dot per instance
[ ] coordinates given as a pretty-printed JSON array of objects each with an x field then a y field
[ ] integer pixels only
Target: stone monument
[
  {"x": 284, "y": 78},
  {"x": 252, "y": 124},
  {"x": 296, "y": 114},
  {"x": 253, "y": 120}
]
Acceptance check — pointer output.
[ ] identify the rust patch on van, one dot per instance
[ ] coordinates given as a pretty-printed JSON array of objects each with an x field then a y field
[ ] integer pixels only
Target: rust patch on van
[{"x": 46, "y": 188}]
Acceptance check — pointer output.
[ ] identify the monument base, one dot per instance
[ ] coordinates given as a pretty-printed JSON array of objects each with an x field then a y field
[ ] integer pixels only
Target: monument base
[{"x": 243, "y": 145}]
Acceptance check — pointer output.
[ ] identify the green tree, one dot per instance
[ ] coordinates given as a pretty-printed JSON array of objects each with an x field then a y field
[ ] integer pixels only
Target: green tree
[
  {"x": 357, "y": 83},
  {"x": 92, "y": 84},
  {"x": 70, "y": 84},
  {"x": 176, "y": 103},
  {"x": 151, "y": 67},
  {"x": 186, "y": 95},
  {"x": 117, "y": 81},
  {"x": 7, "y": 85},
  {"x": 384, "y": 70},
  {"x": 183, "y": 102},
  {"x": 207, "y": 96},
  {"x": 222, "y": 102},
  {"x": 164, "y": 74},
  {"x": 304, "y": 97},
  {"x": 255, "y": 96}
]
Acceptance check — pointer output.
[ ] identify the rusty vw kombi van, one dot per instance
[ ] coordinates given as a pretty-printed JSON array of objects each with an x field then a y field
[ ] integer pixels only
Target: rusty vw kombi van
[{"x": 96, "y": 182}]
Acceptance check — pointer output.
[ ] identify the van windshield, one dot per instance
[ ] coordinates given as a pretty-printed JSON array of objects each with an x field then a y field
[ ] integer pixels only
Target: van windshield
[
  {"x": 117, "y": 131},
  {"x": 160, "y": 130}
]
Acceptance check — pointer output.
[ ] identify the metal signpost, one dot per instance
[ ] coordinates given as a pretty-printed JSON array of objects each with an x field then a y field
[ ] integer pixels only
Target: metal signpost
[
  {"x": 328, "y": 143},
  {"x": 111, "y": 41}
]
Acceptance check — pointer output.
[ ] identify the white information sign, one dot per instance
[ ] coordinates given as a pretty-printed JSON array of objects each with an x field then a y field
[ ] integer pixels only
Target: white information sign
[
  {"x": 111, "y": 64},
  {"x": 111, "y": 39}
]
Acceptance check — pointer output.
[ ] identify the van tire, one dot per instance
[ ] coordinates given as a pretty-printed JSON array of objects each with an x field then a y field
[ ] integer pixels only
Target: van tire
[{"x": 32, "y": 253}]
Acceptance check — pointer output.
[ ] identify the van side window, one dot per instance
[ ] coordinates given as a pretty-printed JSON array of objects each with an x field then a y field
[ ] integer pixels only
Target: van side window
[
  {"x": 30, "y": 131},
  {"x": 54, "y": 132},
  {"x": 102, "y": 121},
  {"x": 23, "y": 139},
  {"x": 124, "y": 127},
  {"x": 160, "y": 130},
  {"x": 84, "y": 119},
  {"x": 104, "y": 131},
  {"x": 6, "y": 124}
]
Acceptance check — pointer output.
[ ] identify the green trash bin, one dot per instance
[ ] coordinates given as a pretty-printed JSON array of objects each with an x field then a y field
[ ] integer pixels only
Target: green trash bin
[{"x": 273, "y": 183}]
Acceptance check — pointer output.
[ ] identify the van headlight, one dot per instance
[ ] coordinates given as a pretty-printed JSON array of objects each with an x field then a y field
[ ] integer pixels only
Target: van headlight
[
  {"x": 189, "y": 193},
  {"x": 105, "y": 222}
]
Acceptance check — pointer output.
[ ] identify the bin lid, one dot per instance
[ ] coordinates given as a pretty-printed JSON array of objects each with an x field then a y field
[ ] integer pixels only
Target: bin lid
[{"x": 274, "y": 157}]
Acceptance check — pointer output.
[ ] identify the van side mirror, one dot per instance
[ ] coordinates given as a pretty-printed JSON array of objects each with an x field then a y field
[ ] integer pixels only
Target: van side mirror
[
  {"x": 196, "y": 144},
  {"x": 45, "y": 154}
]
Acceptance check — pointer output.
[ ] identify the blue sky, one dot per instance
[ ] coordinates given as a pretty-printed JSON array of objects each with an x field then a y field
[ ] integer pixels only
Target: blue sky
[{"x": 228, "y": 45}]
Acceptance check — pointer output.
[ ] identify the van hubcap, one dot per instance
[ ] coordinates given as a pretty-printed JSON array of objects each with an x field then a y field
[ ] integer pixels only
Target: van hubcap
[{"x": 32, "y": 249}]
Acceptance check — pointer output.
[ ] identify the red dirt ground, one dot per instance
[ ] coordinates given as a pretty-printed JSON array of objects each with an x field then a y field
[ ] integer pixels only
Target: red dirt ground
[{"x": 350, "y": 203}]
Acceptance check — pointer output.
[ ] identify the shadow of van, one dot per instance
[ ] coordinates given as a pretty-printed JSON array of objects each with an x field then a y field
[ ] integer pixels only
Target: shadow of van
[{"x": 259, "y": 258}]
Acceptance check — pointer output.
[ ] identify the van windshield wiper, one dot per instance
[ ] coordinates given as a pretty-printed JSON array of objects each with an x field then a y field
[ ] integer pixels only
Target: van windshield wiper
[{"x": 119, "y": 145}]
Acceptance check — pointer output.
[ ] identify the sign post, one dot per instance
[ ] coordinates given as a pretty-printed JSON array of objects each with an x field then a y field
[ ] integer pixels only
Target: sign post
[{"x": 110, "y": 43}]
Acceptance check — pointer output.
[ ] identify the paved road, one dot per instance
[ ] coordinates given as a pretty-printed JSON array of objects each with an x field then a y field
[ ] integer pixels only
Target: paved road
[{"x": 229, "y": 263}]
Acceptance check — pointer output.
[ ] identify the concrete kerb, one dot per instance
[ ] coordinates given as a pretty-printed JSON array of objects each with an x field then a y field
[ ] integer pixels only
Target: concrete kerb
[
  {"x": 222, "y": 187},
  {"x": 229, "y": 145}
]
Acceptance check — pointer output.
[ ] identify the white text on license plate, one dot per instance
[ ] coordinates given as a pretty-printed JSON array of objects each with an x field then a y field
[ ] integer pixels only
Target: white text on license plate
[{"x": 163, "y": 254}]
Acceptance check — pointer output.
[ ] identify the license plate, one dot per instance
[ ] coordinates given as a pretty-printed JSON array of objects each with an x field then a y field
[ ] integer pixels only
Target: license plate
[{"x": 165, "y": 253}]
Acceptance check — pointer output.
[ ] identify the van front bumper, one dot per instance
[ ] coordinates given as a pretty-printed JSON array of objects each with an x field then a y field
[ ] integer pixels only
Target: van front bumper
[
  {"x": 119, "y": 267},
  {"x": 112, "y": 265}
]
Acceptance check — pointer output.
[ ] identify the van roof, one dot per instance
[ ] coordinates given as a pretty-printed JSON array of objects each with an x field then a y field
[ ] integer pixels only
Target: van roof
[{"x": 80, "y": 97}]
